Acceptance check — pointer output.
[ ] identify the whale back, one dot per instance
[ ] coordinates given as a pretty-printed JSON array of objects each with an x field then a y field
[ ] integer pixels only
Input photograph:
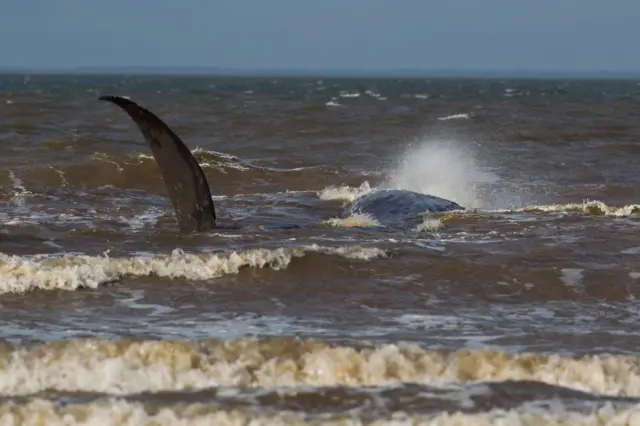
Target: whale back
[
  {"x": 398, "y": 206},
  {"x": 185, "y": 181}
]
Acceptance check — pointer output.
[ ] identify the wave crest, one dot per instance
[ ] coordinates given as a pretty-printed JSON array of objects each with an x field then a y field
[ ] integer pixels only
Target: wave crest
[
  {"x": 128, "y": 366},
  {"x": 71, "y": 271},
  {"x": 590, "y": 207}
]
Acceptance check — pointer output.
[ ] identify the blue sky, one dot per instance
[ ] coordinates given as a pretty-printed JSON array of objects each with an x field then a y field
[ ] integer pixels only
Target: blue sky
[{"x": 582, "y": 35}]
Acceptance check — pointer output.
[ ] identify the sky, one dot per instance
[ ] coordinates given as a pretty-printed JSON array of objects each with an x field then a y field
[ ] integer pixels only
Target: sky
[{"x": 538, "y": 35}]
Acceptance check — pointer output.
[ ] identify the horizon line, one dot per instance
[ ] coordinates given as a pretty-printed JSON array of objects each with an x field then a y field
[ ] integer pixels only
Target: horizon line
[{"x": 196, "y": 70}]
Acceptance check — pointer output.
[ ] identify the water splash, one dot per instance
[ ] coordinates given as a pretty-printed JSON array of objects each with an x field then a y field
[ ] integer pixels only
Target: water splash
[{"x": 446, "y": 169}]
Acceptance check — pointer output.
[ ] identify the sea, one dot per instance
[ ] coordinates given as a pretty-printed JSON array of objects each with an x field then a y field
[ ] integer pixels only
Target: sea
[{"x": 520, "y": 309}]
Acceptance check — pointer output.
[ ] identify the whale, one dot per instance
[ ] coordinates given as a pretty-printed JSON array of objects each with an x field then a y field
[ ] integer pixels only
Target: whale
[{"x": 190, "y": 194}]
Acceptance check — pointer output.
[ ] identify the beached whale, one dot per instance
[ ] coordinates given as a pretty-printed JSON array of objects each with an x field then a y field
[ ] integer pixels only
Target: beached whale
[
  {"x": 398, "y": 207},
  {"x": 191, "y": 197}
]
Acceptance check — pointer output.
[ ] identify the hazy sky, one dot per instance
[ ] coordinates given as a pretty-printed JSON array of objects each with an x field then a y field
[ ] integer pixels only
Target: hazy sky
[{"x": 583, "y": 35}]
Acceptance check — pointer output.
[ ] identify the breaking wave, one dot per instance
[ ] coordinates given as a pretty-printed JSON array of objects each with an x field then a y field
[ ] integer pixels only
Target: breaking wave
[
  {"x": 72, "y": 271},
  {"x": 590, "y": 207},
  {"x": 131, "y": 366},
  {"x": 122, "y": 412}
]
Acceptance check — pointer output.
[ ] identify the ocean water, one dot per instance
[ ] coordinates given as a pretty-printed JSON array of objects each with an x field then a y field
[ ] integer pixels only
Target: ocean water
[{"x": 519, "y": 310}]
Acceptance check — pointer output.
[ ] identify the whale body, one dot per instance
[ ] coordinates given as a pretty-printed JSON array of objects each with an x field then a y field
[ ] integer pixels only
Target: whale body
[
  {"x": 398, "y": 207},
  {"x": 191, "y": 196}
]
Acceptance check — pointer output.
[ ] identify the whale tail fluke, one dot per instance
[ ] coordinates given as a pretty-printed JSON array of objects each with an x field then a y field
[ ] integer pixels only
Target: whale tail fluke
[{"x": 183, "y": 176}]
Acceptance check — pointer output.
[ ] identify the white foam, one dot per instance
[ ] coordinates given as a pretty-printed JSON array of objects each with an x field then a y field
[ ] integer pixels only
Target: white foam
[
  {"x": 344, "y": 192},
  {"x": 119, "y": 411},
  {"x": 355, "y": 220},
  {"x": 72, "y": 271},
  {"x": 220, "y": 162},
  {"x": 104, "y": 157},
  {"x": 141, "y": 221},
  {"x": 135, "y": 301},
  {"x": 20, "y": 192},
  {"x": 345, "y": 94},
  {"x": 448, "y": 322},
  {"x": 333, "y": 103},
  {"x": 463, "y": 116},
  {"x": 224, "y": 155},
  {"x": 594, "y": 207},
  {"x": 429, "y": 225},
  {"x": 136, "y": 222},
  {"x": 62, "y": 176},
  {"x": 125, "y": 366}
]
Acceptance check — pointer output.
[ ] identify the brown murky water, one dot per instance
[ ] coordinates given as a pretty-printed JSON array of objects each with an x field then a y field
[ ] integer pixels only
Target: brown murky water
[{"x": 520, "y": 310}]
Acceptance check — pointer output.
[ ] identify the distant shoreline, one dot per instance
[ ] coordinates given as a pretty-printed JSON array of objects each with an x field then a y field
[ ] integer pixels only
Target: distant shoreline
[{"x": 320, "y": 73}]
